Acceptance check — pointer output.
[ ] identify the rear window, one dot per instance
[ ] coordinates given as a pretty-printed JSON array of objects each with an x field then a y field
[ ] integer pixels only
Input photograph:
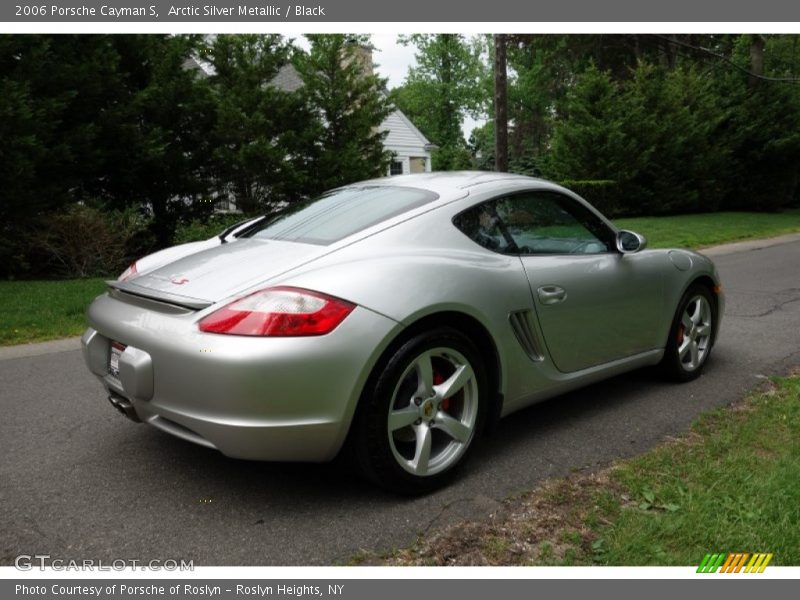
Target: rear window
[{"x": 340, "y": 213}]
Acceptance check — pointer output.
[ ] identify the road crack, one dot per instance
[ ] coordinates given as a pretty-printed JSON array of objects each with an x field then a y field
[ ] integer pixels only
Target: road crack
[{"x": 775, "y": 307}]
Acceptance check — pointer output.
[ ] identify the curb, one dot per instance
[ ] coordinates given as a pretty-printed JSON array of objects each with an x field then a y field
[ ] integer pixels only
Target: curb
[
  {"x": 748, "y": 245},
  {"x": 39, "y": 348}
]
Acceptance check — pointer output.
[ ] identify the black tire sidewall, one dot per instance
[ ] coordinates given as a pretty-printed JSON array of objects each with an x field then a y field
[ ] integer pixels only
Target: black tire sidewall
[{"x": 373, "y": 453}]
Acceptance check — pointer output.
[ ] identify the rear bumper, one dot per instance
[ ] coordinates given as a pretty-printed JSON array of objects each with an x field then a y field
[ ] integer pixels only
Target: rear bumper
[{"x": 282, "y": 399}]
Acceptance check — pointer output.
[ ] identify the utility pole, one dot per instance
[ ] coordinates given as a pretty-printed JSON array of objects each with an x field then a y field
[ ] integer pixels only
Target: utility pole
[{"x": 500, "y": 104}]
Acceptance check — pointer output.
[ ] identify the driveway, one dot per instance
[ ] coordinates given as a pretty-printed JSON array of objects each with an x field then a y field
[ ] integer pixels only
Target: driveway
[{"x": 80, "y": 481}]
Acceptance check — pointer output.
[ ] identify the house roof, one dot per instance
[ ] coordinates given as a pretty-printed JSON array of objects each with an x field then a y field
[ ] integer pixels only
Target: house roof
[
  {"x": 287, "y": 79},
  {"x": 402, "y": 132}
]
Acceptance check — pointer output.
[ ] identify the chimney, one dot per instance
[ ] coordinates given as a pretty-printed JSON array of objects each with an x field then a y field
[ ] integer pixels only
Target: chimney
[{"x": 361, "y": 54}]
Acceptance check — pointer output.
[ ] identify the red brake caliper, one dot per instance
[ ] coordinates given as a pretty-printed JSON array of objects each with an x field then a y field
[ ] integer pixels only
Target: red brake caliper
[
  {"x": 681, "y": 332},
  {"x": 437, "y": 379}
]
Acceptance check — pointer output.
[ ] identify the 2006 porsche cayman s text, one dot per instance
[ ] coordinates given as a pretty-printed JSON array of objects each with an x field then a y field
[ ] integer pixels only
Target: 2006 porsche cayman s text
[{"x": 398, "y": 317}]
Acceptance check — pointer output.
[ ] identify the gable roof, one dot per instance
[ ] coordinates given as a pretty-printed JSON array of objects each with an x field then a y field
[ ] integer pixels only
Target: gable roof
[
  {"x": 287, "y": 79},
  {"x": 408, "y": 124}
]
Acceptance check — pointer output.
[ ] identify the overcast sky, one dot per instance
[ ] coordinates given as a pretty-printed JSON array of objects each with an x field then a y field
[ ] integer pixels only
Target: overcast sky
[{"x": 392, "y": 61}]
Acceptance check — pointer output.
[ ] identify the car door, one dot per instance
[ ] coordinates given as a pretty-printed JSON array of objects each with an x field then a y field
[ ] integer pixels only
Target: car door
[{"x": 594, "y": 304}]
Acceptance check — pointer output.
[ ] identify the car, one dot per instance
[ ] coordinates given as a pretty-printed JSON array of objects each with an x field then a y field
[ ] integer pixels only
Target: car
[{"x": 394, "y": 321}]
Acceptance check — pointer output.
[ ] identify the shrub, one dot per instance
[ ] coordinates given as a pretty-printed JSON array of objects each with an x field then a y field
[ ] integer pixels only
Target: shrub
[
  {"x": 202, "y": 229},
  {"x": 84, "y": 241},
  {"x": 603, "y": 194}
]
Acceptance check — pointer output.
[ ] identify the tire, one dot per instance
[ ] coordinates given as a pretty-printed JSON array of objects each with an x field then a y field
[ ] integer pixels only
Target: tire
[
  {"x": 691, "y": 335},
  {"x": 411, "y": 432}
]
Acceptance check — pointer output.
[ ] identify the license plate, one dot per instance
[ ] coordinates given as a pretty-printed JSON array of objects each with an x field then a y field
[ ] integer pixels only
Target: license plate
[{"x": 113, "y": 361}]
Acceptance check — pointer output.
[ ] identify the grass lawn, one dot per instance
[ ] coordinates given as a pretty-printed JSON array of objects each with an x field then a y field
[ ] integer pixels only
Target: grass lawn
[
  {"x": 34, "y": 311},
  {"x": 710, "y": 229},
  {"x": 732, "y": 484}
]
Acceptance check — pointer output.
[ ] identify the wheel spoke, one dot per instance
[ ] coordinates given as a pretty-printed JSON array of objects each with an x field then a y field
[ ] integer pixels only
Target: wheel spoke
[
  {"x": 696, "y": 313},
  {"x": 695, "y": 360},
  {"x": 422, "y": 453},
  {"x": 403, "y": 417},
  {"x": 686, "y": 321},
  {"x": 706, "y": 312},
  {"x": 452, "y": 427},
  {"x": 704, "y": 330},
  {"x": 460, "y": 378},
  {"x": 684, "y": 348},
  {"x": 424, "y": 370}
]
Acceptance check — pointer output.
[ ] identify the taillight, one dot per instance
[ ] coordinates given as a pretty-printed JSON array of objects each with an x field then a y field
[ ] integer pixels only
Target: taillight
[
  {"x": 128, "y": 273},
  {"x": 279, "y": 312}
]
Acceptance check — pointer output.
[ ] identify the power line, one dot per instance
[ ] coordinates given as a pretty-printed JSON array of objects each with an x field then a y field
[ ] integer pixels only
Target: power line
[{"x": 724, "y": 58}]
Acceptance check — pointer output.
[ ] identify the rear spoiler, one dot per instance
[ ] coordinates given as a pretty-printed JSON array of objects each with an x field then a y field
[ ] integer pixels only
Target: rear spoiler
[{"x": 168, "y": 297}]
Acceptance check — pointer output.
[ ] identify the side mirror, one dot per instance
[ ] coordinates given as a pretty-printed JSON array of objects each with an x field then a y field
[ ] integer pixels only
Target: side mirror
[{"x": 629, "y": 242}]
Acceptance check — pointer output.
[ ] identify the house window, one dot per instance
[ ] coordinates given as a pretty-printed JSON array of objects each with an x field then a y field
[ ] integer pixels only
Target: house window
[{"x": 396, "y": 168}]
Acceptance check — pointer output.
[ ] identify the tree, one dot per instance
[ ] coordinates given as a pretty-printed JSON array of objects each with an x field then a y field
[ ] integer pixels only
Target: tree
[
  {"x": 155, "y": 140},
  {"x": 256, "y": 158},
  {"x": 51, "y": 88},
  {"x": 347, "y": 103},
  {"x": 657, "y": 136},
  {"x": 764, "y": 137},
  {"x": 447, "y": 82}
]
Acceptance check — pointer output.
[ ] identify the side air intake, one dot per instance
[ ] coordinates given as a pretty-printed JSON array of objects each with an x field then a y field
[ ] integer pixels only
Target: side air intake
[{"x": 526, "y": 335}]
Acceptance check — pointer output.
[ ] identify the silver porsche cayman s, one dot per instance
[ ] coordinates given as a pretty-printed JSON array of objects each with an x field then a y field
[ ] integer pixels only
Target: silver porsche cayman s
[{"x": 397, "y": 318}]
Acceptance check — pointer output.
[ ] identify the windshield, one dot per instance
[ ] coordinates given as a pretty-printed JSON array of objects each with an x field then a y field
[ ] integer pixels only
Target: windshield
[{"x": 340, "y": 213}]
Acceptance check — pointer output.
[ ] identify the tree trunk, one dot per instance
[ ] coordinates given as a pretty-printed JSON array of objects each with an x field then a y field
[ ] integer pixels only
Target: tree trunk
[
  {"x": 500, "y": 104},
  {"x": 756, "y": 59}
]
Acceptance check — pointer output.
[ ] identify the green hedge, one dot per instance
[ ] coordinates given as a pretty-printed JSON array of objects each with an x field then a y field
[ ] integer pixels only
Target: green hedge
[{"x": 603, "y": 194}]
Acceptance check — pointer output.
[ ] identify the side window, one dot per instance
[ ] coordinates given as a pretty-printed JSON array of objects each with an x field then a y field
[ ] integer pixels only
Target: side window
[{"x": 536, "y": 223}]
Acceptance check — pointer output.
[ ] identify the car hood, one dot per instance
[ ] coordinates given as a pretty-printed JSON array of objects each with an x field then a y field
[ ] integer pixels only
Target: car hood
[{"x": 211, "y": 275}]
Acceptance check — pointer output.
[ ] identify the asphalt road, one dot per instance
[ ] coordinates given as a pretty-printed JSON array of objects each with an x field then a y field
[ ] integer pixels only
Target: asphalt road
[{"x": 78, "y": 481}]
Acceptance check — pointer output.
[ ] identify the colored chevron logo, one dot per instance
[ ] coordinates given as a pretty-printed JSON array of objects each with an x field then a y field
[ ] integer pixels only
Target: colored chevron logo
[{"x": 734, "y": 562}]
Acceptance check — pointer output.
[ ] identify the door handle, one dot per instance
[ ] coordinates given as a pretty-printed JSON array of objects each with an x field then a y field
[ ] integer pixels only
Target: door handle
[{"x": 551, "y": 294}]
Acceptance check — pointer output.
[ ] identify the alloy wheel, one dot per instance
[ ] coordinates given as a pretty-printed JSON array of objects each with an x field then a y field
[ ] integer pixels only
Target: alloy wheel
[
  {"x": 694, "y": 333},
  {"x": 433, "y": 412}
]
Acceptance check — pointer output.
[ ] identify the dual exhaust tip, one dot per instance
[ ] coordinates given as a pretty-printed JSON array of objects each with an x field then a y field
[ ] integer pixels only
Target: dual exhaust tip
[{"x": 124, "y": 406}]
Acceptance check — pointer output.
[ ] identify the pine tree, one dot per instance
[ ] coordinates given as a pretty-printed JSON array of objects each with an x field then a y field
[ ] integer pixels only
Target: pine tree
[
  {"x": 348, "y": 103},
  {"x": 257, "y": 157}
]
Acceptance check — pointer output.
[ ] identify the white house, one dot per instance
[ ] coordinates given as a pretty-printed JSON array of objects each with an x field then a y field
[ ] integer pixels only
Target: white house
[{"x": 411, "y": 150}]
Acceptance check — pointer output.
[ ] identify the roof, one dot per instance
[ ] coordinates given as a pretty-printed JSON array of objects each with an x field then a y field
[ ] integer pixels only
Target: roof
[
  {"x": 287, "y": 79},
  {"x": 402, "y": 132}
]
